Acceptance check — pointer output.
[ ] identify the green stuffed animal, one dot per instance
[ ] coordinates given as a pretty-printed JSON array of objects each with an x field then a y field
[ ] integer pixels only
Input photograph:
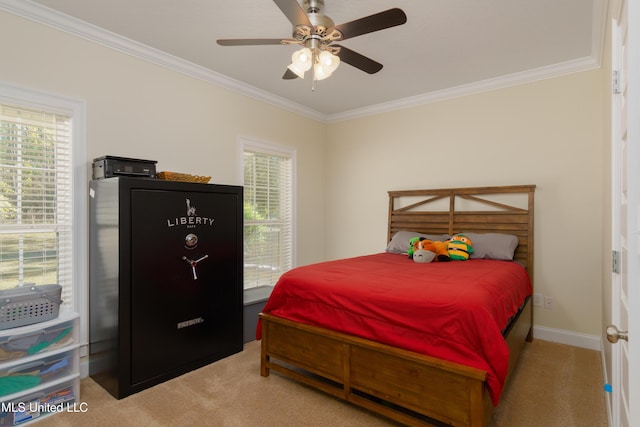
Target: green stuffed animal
[{"x": 412, "y": 243}]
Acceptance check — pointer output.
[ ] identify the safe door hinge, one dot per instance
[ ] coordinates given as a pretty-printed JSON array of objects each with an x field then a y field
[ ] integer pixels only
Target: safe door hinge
[
  {"x": 615, "y": 261},
  {"x": 615, "y": 81}
]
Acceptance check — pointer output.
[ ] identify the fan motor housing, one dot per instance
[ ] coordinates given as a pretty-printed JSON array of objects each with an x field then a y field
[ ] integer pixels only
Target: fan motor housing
[
  {"x": 313, "y": 6},
  {"x": 321, "y": 24}
]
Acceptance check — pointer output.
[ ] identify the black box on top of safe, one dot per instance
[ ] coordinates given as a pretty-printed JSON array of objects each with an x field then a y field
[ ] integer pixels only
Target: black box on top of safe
[{"x": 112, "y": 166}]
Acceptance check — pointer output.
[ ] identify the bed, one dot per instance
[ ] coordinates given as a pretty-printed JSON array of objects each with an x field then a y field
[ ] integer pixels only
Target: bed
[{"x": 414, "y": 370}]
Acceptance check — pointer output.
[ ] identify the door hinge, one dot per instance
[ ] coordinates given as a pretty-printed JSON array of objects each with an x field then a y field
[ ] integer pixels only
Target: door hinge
[
  {"x": 615, "y": 81},
  {"x": 615, "y": 261}
]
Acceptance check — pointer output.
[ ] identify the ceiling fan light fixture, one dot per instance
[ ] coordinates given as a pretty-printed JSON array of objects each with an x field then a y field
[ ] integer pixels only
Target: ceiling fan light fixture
[
  {"x": 320, "y": 72},
  {"x": 298, "y": 72},
  {"x": 329, "y": 61},
  {"x": 302, "y": 59},
  {"x": 325, "y": 63}
]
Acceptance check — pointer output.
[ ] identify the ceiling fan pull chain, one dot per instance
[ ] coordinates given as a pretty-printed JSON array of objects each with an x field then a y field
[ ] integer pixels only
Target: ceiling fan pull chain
[{"x": 313, "y": 70}]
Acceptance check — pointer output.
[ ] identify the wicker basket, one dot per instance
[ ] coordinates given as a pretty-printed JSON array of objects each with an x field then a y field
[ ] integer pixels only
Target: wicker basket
[
  {"x": 29, "y": 304},
  {"x": 175, "y": 176}
]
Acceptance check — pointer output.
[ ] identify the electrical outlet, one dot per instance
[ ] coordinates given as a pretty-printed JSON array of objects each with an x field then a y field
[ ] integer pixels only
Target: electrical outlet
[
  {"x": 548, "y": 303},
  {"x": 537, "y": 300}
]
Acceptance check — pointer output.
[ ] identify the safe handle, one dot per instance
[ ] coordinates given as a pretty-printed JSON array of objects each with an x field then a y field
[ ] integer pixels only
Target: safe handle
[{"x": 193, "y": 264}]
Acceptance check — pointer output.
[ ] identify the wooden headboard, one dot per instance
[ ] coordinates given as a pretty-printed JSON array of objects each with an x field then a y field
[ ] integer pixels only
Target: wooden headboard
[{"x": 505, "y": 209}]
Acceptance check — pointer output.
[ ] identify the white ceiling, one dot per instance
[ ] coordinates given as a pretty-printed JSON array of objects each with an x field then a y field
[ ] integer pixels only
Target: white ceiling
[{"x": 446, "y": 46}]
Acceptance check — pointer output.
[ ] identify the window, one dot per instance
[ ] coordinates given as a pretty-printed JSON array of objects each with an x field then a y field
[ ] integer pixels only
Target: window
[
  {"x": 42, "y": 213},
  {"x": 268, "y": 212}
]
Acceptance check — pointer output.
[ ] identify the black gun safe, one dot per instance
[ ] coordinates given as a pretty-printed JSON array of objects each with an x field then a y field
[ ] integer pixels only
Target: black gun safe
[{"x": 165, "y": 279}]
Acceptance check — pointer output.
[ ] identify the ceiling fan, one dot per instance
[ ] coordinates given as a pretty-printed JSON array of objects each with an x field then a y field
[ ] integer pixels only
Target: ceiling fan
[{"x": 317, "y": 33}]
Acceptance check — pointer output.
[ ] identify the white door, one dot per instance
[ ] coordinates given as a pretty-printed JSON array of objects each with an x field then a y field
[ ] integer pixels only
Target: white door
[{"x": 626, "y": 217}]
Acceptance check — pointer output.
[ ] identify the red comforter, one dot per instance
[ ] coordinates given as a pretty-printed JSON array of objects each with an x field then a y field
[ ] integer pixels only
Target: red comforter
[{"x": 450, "y": 310}]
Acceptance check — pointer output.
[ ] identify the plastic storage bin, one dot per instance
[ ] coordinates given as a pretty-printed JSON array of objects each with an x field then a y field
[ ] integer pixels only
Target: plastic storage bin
[
  {"x": 29, "y": 341},
  {"x": 32, "y": 373},
  {"x": 56, "y": 398},
  {"x": 29, "y": 304},
  {"x": 45, "y": 357}
]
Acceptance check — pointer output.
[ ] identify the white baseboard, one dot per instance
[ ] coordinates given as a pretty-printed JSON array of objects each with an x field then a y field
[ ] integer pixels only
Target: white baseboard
[{"x": 591, "y": 342}]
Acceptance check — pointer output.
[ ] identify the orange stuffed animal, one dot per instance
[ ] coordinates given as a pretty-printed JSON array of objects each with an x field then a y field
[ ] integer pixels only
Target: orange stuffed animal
[{"x": 421, "y": 245}]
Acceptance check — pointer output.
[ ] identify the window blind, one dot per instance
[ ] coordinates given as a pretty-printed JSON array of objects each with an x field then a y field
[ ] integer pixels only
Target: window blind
[
  {"x": 35, "y": 199},
  {"x": 268, "y": 217}
]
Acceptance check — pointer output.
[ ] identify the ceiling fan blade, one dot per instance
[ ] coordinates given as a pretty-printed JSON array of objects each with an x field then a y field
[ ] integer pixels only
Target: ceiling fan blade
[
  {"x": 294, "y": 12},
  {"x": 357, "y": 60},
  {"x": 253, "y": 42},
  {"x": 369, "y": 24},
  {"x": 289, "y": 75}
]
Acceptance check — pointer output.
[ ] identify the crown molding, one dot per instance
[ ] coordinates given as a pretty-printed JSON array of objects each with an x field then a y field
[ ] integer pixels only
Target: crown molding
[
  {"x": 594, "y": 60},
  {"x": 501, "y": 82},
  {"x": 54, "y": 19},
  {"x": 59, "y": 21}
]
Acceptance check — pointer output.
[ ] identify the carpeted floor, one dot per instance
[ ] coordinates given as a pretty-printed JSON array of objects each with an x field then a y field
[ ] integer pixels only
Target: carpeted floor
[{"x": 553, "y": 385}]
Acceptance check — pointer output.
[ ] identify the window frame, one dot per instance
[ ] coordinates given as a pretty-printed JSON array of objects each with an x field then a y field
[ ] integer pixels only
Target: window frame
[
  {"x": 76, "y": 109},
  {"x": 251, "y": 144}
]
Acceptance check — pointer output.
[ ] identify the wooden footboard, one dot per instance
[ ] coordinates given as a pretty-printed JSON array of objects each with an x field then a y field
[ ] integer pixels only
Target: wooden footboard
[{"x": 404, "y": 386}]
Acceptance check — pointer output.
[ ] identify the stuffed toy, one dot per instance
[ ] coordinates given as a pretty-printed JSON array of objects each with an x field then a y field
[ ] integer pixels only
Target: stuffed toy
[
  {"x": 422, "y": 250},
  {"x": 436, "y": 250},
  {"x": 442, "y": 253},
  {"x": 412, "y": 242},
  {"x": 459, "y": 247}
]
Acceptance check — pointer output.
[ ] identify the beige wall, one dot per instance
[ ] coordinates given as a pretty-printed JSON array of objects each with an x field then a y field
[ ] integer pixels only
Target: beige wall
[
  {"x": 548, "y": 133},
  {"x": 138, "y": 109}
]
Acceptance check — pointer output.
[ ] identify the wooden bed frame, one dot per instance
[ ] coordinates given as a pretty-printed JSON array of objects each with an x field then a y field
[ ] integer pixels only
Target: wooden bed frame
[{"x": 404, "y": 386}]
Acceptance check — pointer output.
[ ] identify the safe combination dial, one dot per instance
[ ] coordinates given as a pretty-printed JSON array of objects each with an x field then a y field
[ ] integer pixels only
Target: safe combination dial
[{"x": 191, "y": 241}]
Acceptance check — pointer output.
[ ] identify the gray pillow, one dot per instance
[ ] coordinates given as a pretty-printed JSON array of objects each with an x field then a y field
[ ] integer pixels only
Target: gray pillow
[
  {"x": 493, "y": 245},
  {"x": 399, "y": 243}
]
